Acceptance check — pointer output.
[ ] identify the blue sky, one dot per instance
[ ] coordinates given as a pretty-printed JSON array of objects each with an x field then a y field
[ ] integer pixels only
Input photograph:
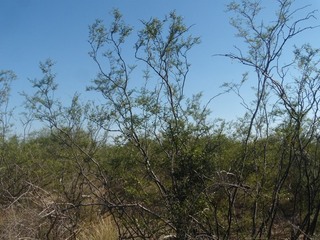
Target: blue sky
[{"x": 34, "y": 30}]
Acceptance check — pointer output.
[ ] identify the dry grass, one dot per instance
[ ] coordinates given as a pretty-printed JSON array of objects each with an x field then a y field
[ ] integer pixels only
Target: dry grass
[
  {"x": 18, "y": 223},
  {"x": 104, "y": 229},
  {"x": 25, "y": 223}
]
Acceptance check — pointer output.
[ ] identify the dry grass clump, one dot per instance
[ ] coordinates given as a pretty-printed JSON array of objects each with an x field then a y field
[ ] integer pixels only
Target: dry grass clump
[{"x": 103, "y": 229}]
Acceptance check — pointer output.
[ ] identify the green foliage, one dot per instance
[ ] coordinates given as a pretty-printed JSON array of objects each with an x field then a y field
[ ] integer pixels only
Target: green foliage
[{"x": 149, "y": 156}]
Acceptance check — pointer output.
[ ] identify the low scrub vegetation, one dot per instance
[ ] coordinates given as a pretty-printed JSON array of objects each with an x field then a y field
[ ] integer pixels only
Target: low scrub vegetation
[{"x": 149, "y": 162}]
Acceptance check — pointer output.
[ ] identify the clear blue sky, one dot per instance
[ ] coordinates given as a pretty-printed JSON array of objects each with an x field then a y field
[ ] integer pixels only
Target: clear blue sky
[{"x": 34, "y": 30}]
